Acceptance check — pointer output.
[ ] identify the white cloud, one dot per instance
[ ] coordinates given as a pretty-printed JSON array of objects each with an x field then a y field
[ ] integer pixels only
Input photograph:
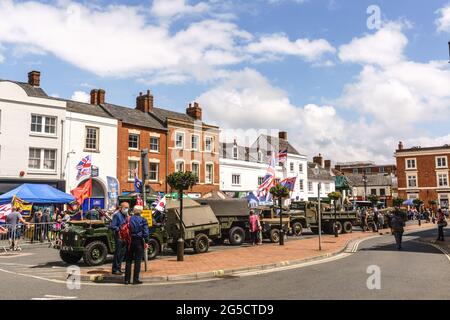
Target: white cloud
[
  {"x": 174, "y": 8},
  {"x": 81, "y": 96},
  {"x": 385, "y": 47},
  {"x": 276, "y": 45},
  {"x": 443, "y": 22},
  {"x": 2, "y": 57}
]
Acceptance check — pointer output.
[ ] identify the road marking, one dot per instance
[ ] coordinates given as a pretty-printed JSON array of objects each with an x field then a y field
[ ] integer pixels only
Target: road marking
[
  {"x": 53, "y": 297},
  {"x": 15, "y": 255},
  {"x": 443, "y": 250}
]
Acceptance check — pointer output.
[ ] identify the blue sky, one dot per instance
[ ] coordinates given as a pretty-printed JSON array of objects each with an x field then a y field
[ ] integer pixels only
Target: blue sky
[{"x": 310, "y": 67}]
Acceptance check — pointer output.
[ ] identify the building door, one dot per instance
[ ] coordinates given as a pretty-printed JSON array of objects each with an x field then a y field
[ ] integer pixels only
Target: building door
[
  {"x": 98, "y": 196},
  {"x": 443, "y": 201}
]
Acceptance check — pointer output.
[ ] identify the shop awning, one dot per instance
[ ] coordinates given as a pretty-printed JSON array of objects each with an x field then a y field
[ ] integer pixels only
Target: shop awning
[{"x": 37, "y": 193}]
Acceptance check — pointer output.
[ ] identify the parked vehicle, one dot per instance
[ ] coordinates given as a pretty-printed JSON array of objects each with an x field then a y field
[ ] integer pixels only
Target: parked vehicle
[{"x": 270, "y": 222}]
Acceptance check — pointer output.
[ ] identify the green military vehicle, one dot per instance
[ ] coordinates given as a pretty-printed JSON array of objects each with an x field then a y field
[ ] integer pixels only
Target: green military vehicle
[
  {"x": 94, "y": 240},
  {"x": 199, "y": 225},
  {"x": 233, "y": 216},
  {"x": 345, "y": 220},
  {"x": 270, "y": 222}
]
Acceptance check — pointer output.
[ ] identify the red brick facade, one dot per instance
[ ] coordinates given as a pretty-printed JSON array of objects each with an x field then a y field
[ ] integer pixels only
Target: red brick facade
[
  {"x": 367, "y": 169},
  {"x": 424, "y": 173}
]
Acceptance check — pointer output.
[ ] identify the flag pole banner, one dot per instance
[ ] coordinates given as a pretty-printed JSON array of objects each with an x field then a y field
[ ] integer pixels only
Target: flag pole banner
[
  {"x": 113, "y": 193},
  {"x": 263, "y": 192},
  {"x": 84, "y": 167},
  {"x": 83, "y": 191}
]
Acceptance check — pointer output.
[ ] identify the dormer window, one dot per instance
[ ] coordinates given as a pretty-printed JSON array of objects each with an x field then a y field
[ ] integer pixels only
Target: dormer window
[{"x": 235, "y": 152}]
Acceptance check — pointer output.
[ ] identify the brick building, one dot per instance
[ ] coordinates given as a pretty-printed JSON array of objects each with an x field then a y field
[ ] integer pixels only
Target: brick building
[
  {"x": 423, "y": 173},
  {"x": 366, "y": 167}
]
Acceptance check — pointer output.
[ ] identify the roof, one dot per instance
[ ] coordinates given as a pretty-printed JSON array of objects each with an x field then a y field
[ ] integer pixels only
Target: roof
[
  {"x": 31, "y": 91},
  {"x": 249, "y": 154},
  {"x": 356, "y": 180},
  {"x": 87, "y": 108},
  {"x": 323, "y": 174},
  {"x": 133, "y": 116},
  {"x": 283, "y": 144},
  {"x": 418, "y": 149},
  {"x": 163, "y": 115}
]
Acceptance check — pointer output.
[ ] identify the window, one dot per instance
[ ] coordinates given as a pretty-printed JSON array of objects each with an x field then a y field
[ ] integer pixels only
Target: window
[
  {"x": 179, "y": 166},
  {"x": 412, "y": 181},
  {"x": 260, "y": 156},
  {"x": 368, "y": 170},
  {"x": 382, "y": 170},
  {"x": 291, "y": 166},
  {"x": 373, "y": 192},
  {"x": 410, "y": 163},
  {"x": 91, "y": 142},
  {"x": 34, "y": 158},
  {"x": 133, "y": 141},
  {"x": 382, "y": 192},
  {"x": 236, "y": 179},
  {"x": 355, "y": 171},
  {"x": 179, "y": 140},
  {"x": 153, "y": 170},
  {"x": 441, "y": 162},
  {"x": 209, "y": 173},
  {"x": 442, "y": 180},
  {"x": 154, "y": 144},
  {"x": 235, "y": 152},
  {"x": 301, "y": 185},
  {"x": 208, "y": 144},
  {"x": 300, "y": 167},
  {"x": 133, "y": 168},
  {"x": 194, "y": 142},
  {"x": 260, "y": 180},
  {"x": 196, "y": 171},
  {"x": 49, "y": 159},
  {"x": 327, "y": 187},
  {"x": 43, "y": 124},
  {"x": 310, "y": 186}
]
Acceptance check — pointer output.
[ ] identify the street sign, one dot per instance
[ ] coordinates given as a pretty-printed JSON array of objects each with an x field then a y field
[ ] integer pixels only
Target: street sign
[{"x": 147, "y": 214}]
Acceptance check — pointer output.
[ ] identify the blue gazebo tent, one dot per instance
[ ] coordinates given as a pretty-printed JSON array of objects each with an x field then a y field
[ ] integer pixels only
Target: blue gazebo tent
[{"x": 37, "y": 193}]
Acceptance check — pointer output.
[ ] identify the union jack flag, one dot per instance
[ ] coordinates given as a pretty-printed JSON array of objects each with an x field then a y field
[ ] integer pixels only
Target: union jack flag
[
  {"x": 269, "y": 181},
  {"x": 84, "y": 167},
  {"x": 5, "y": 209},
  {"x": 289, "y": 183},
  {"x": 282, "y": 155}
]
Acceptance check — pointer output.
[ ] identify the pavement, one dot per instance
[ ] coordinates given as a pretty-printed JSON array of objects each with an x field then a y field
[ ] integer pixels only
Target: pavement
[{"x": 226, "y": 263}]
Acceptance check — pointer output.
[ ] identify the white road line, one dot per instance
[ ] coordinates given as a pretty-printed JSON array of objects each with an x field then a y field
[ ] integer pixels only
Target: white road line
[
  {"x": 443, "y": 250},
  {"x": 53, "y": 297}
]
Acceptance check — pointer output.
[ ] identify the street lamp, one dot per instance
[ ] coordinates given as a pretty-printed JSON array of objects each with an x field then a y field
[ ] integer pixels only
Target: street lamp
[
  {"x": 319, "y": 213},
  {"x": 365, "y": 186}
]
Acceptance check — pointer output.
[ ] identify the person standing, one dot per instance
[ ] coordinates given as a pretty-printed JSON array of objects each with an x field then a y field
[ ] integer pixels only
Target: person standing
[
  {"x": 254, "y": 229},
  {"x": 441, "y": 225},
  {"x": 12, "y": 222},
  {"x": 397, "y": 227},
  {"x": 37, "y": 220},
  {"x": 139, "y": 236},
  {"x": 375, "y": 220},
  {"x": 118, "y": 219},
  {"x": 45, "y": 225}
]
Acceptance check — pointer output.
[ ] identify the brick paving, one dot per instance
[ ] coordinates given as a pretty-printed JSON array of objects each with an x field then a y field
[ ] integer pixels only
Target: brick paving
[{"x": 247, "y": 257}]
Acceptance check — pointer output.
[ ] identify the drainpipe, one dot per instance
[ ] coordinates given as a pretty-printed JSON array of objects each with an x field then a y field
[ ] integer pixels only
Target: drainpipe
[
  {"x": 61, "y": 153},
  {"x": 167, "y": 159}
]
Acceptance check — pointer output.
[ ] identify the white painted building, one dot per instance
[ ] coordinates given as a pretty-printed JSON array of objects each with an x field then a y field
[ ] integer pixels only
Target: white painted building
[
  {"x": 323, "y": 175},
  {"x": 294, "y": 166},
  {"x": 90, "y": 130},
  {"x": 31, "y": 134},
  {"x": 242, "y": 169}
]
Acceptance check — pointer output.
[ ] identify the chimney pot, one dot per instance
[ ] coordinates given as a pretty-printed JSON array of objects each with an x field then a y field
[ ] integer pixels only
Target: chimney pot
[
  {"x": 194, "y": 110},
  {"x": 34, "y": 78},
  {"x": 144, "y": 103},
  {"x": 94, "y": 96},
  {"x": 400, "y": 145},
  {"x": 101, "y": 96},
  {"x": 282, "y": 135}
]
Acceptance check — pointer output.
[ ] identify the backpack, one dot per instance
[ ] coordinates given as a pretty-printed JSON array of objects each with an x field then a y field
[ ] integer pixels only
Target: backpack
[{"x": 125, "y": 232}]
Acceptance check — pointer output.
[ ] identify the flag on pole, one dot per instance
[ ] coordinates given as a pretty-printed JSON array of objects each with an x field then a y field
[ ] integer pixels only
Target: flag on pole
[
  {"x": 289, "y": 183},
  {"x": 83, "y": 192},
  {"x": 137, "y": 182},
  {"x": 282, "y": 155},
  {"x": 161, "y": 204},
  {"x": 263, "y": 191},
  {"x": 21, "y": 205},
  {"x": 5, "y": 209},
  {"x": 84, "y": 167}
]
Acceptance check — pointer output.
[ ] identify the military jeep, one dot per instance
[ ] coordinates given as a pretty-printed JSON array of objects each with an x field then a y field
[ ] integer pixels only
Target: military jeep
[
  {"x": 94, "y": 240},
  {"x": 270, "y": 222}
]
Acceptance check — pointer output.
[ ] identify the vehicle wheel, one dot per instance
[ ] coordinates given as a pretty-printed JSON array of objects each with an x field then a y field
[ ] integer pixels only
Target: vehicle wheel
[
  {"x": 275, "y": 235},
  {"x": 154, "y": 249},
  {"x": 297, "y": 229},
  {"x": 237, "y": 236},
  {"x": 347, "y": 227},
  {"x": 201, "y": 243},
  {"x": 95, "y": 253},
  {"x": 70, "y": 257},
  {"x": 338, "y": 226},
  {"x": 315, "y": 230}
]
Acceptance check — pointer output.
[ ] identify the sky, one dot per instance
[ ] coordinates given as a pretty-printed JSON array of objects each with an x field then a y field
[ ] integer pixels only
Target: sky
[{"x": 345, "y": 78}]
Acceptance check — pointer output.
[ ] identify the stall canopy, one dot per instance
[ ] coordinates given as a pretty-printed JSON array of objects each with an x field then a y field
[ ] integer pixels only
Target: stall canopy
[{"x": 37, "y": 193}]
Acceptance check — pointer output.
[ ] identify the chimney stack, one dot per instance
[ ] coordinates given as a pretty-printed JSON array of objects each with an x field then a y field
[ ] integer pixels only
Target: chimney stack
[
  {"x": 194, "y": 110},
  {"x": 319, "y": 160},
  {"x": 400, "y": 145},
  {"x": 144, "y": 103},
  {"x": 34, "y": 78},
  {"x": 327, "y": 164},
  {"x": 282, "y": 135},
  {"x": 98, "y": 96},
  {"x": 101, "y": 96}
]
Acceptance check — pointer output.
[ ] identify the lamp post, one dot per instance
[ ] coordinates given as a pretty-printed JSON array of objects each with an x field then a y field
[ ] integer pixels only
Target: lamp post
[
  {"x": 365, "y": 186},
  {"x": 335, "y": 196},
  {"x": 319, "y": 213},
  {"x": 279, "y": 192}
]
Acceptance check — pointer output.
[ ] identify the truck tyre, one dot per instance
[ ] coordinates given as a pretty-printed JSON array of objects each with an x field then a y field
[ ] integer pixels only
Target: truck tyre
[
  {"x": 297, "y": 229},
  {"x": 154, "y": 248},
  {"x": 347, "y": 227},
  {"x": 95, "y": 253},
  {"x": 237, "y": 236},
  {"x": 70, "y": 257},
  {"x": 275, "y": 235},
  {"x": 201, "y": 243}
]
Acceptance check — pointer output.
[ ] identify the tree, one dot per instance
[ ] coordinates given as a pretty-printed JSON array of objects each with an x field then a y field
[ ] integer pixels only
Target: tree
[
  {"x": 417, "y": 203},
  {"x": 280, "y": 192},
  {"x": 335, "y": 196},
  {"x": 181, "y": 181},
  {"x": 398, "y": 202},
  {"x": 373, "y": 198}
]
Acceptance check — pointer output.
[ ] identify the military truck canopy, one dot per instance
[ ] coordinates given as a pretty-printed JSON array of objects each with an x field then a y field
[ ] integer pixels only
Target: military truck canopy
[
  {"x": 227, "y": 207},
  {"x": 175, "y": 203},
  {"x": 198, "y": 216}
]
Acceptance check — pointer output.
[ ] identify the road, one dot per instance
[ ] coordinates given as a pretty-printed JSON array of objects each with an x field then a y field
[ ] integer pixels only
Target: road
[{"x": 419, "y": 271}]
